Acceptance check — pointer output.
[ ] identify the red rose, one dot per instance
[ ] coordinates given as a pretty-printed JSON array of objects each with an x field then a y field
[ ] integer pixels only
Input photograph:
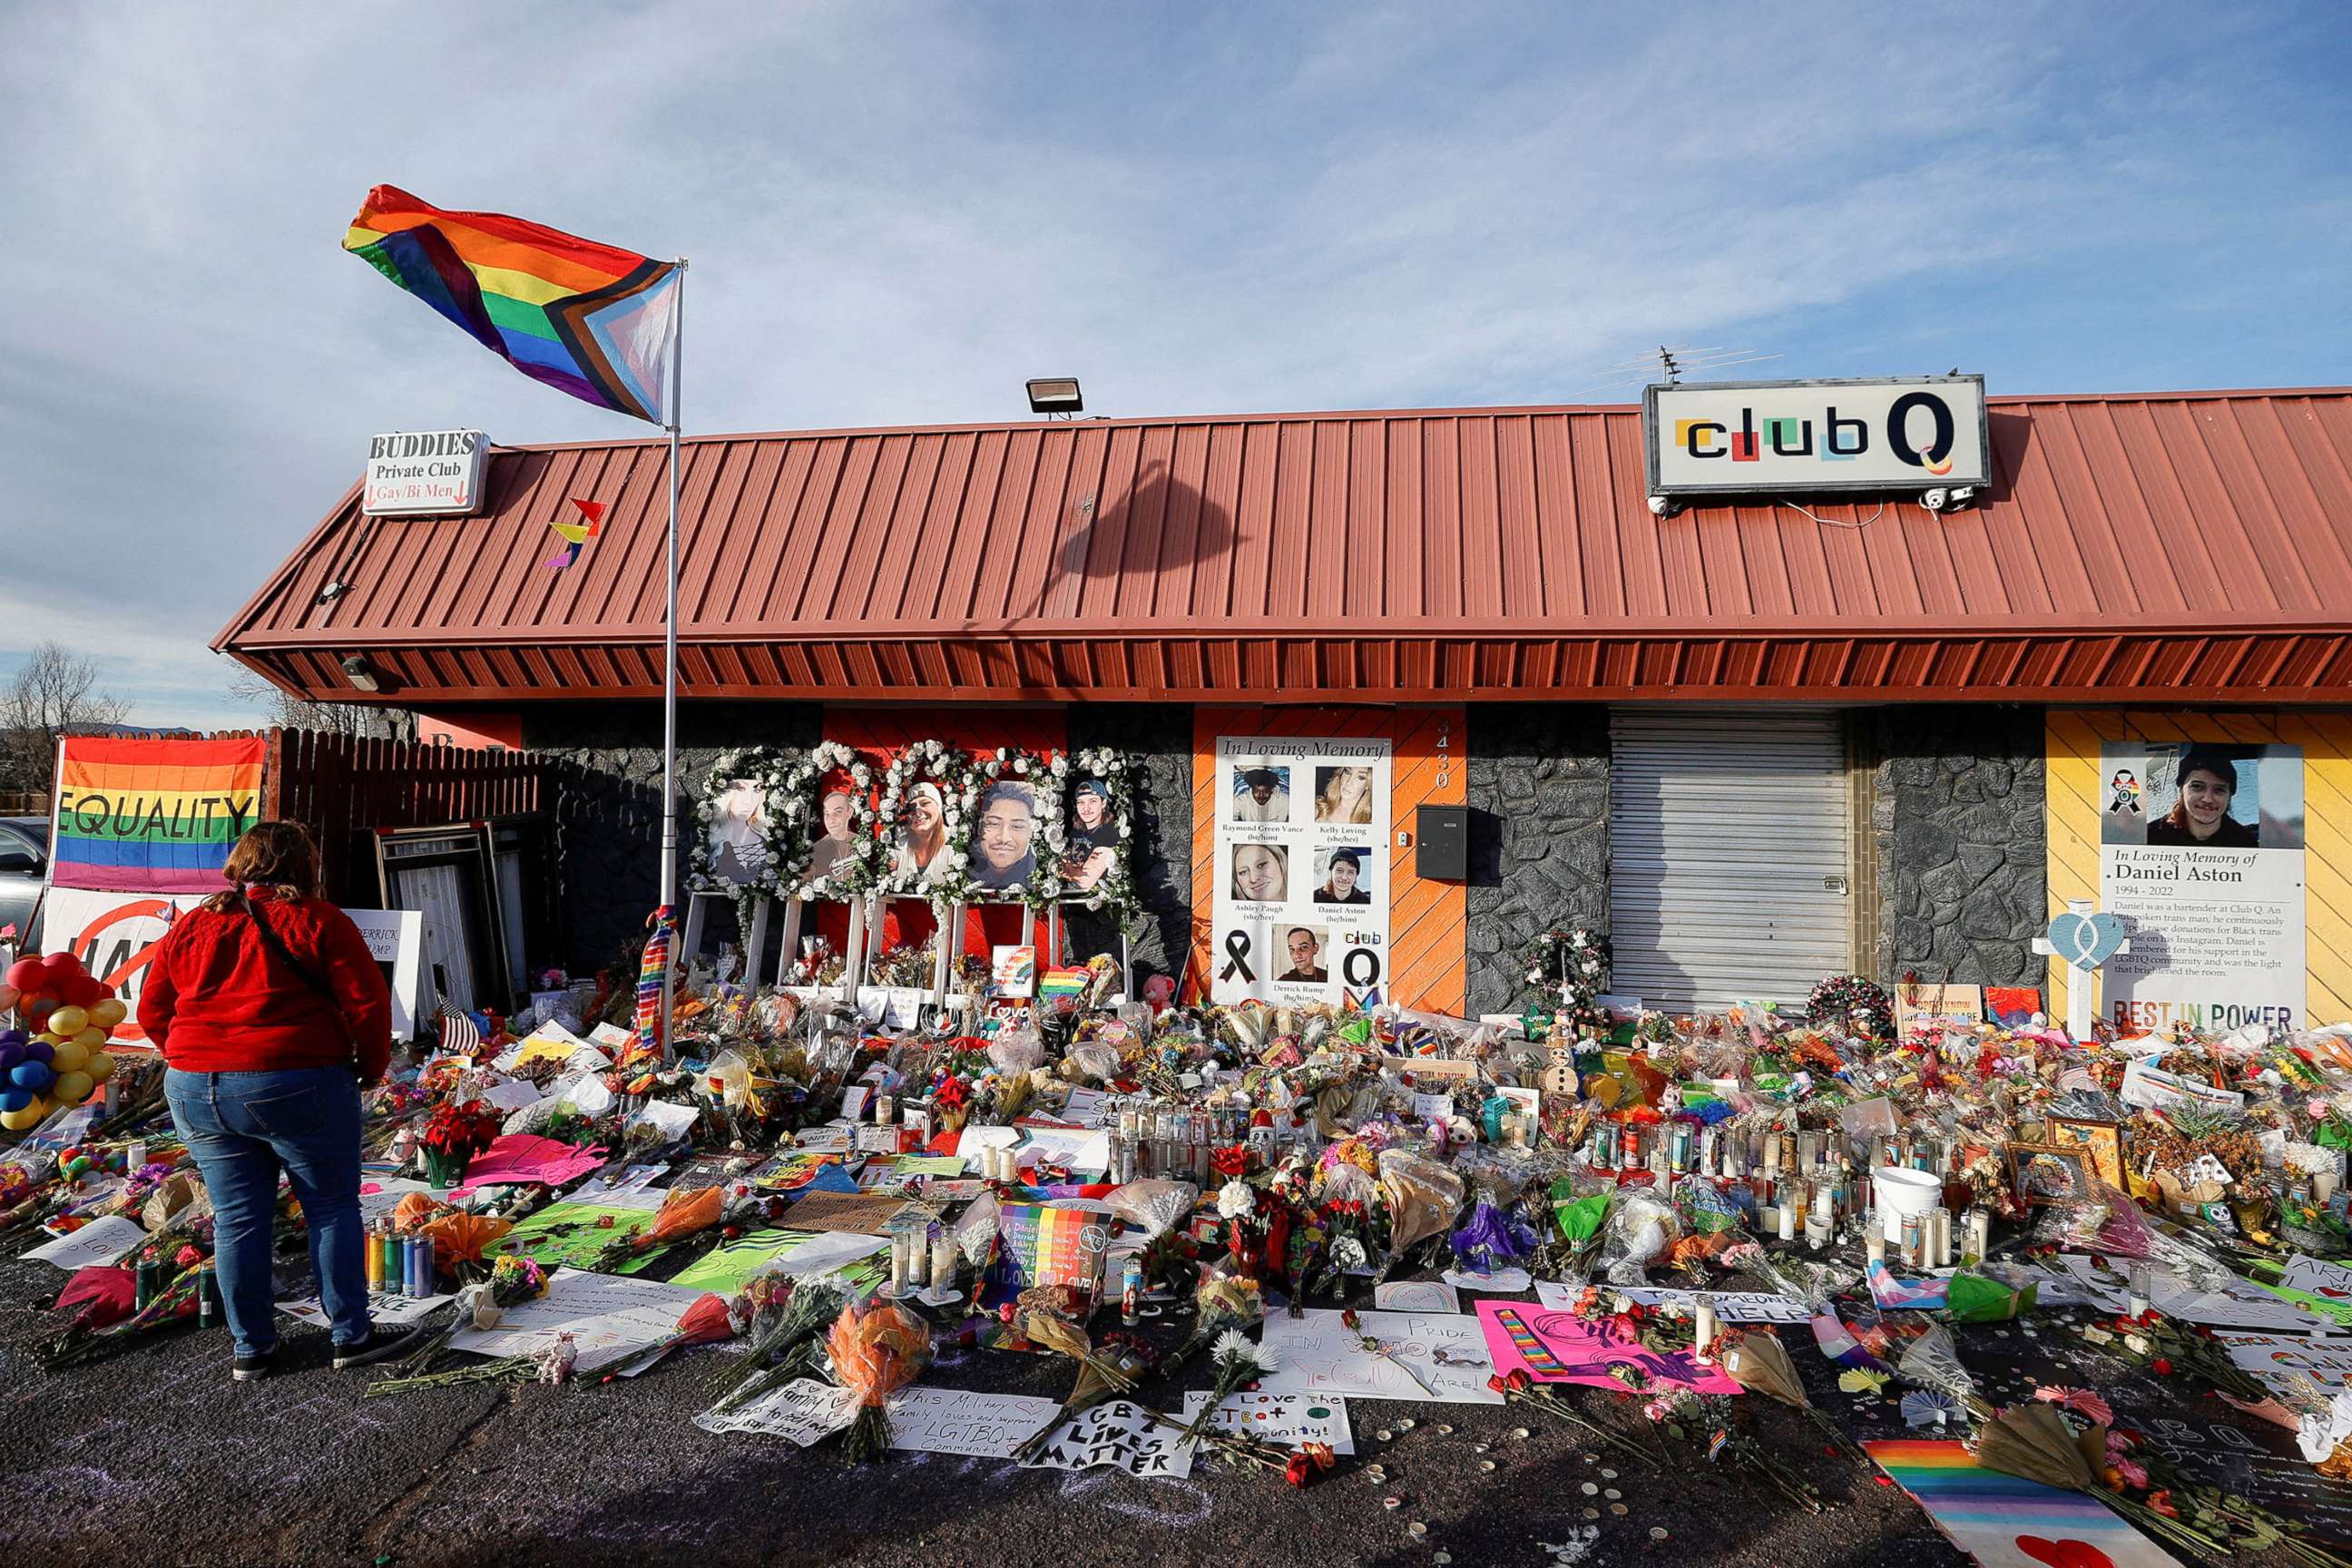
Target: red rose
[
  {"x": 2163, "y": 1367},
  {"x": 1495, "y": 1383},
  {"x": 1298, "y": 1470},
  {"x": 1520, "y": 1379}
]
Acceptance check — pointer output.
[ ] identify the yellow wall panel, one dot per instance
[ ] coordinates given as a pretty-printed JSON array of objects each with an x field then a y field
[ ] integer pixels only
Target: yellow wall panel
[{"x": 2072, "y": 817}]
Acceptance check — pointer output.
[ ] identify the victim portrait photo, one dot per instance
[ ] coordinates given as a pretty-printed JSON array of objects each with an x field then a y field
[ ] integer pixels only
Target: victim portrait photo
[
  {"x": 1261, "y": 873},
  {"x": 1260, "y": 794},
  {"x": 1090, "y": 837},
  {"x": 1004, "y": 837},
  {"x": 832, "y": 814},
  {"x": 916, "y": 858},
  {"x": 1343, "y": 876},
  {"x": 1302, "y": 951},
  {"x": 1343, "y": 794},
  {"x": 738, "y": 835}
]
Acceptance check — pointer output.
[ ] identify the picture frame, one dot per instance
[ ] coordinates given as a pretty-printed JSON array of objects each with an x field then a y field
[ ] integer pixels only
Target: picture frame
[
  {"x": 2041, "y": 1175},
  {"x": 2102, "y": 1141}
]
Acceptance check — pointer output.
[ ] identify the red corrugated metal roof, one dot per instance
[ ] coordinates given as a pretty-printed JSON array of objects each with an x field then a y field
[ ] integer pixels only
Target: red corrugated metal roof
[{"x": 2192, "y": 545}]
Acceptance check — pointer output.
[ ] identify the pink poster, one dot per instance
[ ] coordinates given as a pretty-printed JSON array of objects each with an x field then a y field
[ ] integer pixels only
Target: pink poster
[{"x": 1561, "y": 1347}]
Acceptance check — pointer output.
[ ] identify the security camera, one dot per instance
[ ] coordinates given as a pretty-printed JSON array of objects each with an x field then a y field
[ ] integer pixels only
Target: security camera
[
  {"x": 1663, "y": 506},
  {"x": 1934, "y": 499}
]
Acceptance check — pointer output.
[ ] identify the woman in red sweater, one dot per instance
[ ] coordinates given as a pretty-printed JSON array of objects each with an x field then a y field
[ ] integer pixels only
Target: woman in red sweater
[{"x": 271, "y": 1013}]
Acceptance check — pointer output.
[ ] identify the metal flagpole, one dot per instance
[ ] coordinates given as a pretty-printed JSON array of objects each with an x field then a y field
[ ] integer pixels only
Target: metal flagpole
[{"x": 670, "y": 652}]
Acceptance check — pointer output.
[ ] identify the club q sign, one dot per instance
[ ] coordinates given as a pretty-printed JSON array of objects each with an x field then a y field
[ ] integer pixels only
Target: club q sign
[
  {"x": 1907, "y": 433},
  {"x": 425, "y": 473}
]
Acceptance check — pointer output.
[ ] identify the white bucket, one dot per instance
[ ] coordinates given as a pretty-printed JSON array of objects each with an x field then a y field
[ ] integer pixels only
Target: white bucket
[{"x": 1900, "y": 1194}]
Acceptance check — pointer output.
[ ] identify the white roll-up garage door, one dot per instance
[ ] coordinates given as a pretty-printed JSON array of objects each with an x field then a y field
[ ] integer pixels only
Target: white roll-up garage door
[{"x": 1729, "y": 851}]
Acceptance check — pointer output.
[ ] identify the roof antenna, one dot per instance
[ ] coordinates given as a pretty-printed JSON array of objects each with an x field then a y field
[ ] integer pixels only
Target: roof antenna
[{"x": 1669, "y": 363}]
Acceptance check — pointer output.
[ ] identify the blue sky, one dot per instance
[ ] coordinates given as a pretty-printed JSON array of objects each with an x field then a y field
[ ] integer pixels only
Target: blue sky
[{"x": 896, "y": 212}]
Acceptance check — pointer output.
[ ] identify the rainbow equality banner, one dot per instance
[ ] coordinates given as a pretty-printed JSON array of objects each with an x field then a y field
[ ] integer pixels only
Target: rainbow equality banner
[{"x": 152, "y": 815}]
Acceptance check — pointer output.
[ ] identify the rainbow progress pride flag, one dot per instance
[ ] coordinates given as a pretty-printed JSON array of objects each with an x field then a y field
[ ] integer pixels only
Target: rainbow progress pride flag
[
  {"x": 594, "y": 320},
  {"x": 153, "y": 815}
]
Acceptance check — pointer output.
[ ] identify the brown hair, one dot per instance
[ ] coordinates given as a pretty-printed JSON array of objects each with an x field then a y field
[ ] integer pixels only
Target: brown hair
[{"x": 280, "y": 856}]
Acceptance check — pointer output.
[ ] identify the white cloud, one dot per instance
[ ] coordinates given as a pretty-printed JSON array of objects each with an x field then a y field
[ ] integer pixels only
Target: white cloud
[{"x": 896, "y": 213}]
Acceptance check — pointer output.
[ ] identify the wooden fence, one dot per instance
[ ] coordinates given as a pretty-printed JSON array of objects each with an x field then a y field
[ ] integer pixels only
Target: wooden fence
[{"x": 344, "y": 787}]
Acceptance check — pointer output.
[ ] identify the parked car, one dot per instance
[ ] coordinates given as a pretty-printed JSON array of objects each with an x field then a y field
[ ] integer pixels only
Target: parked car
[{"x": 23, "y": 860}]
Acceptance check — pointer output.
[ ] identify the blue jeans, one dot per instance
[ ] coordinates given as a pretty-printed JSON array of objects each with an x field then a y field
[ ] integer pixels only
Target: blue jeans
[{"x": 243, "y": 1127}]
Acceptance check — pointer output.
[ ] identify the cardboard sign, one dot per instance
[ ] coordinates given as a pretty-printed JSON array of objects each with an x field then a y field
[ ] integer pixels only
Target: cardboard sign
[
  {"x": 1955, "y": 1003},
  {"x": 1440, "y": 1356},
  {"x": 1561, "y": 1347},
  {"x": 1121, "y": 1433},
  {"x": 1055, "y": 1244}
]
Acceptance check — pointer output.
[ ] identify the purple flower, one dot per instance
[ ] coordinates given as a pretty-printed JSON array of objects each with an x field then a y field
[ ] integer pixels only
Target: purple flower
[{"x": 1491, "y": 1238}]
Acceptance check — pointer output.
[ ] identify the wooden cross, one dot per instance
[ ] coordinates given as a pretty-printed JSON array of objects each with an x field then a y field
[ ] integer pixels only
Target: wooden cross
[{"x": 2068, "y": 938}]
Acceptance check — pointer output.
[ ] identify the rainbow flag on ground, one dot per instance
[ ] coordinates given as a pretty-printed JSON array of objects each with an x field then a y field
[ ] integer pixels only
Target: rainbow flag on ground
[
  {"x": 594, "y": 320},
  {"x": 153, "y": 815},
  {"x": 2005, "y": 1522}
]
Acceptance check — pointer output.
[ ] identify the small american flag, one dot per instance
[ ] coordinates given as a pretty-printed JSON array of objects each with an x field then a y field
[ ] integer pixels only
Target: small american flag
[{"x": 459, "y": 1035}]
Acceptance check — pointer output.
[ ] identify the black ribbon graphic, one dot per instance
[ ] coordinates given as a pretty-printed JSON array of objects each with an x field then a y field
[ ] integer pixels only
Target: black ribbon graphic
[{"x": 1237, "y": 946}]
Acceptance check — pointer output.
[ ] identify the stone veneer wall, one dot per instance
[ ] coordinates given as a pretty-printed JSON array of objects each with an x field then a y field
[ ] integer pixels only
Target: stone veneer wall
[
  {"x": 1961, "y": 843},
  {"x": 1159, "y": 737},
  {"x": 608, "y": 803},
  {"x": 1538, "y": 835}
]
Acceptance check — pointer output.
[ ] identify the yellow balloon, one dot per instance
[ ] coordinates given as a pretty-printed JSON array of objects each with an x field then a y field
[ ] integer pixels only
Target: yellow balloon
[
  {"x": 17, "y": 1121},
  {"x": 46, "y": 1038},
  {"x": 72, "y": 1088},
  {"x": 68, "y": 1021},
  {"x": 110, "y": 1011},
  {"x": 88, "y": 1039},
  {"x": 100, "y": 1066},
  {"x": 68, "y": 1058}
]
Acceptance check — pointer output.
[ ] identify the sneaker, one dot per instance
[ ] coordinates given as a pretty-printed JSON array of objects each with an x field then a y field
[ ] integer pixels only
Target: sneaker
[
  {"x": 382, "y": 1345},
  {"x": 247, "y": 1368}
]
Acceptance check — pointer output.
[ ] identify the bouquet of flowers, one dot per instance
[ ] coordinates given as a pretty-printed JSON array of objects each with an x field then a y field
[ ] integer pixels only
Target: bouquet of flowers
[
  {"x": 1221, "y": 1302},
  {"x": 707, "y": 1319},
  {"x": 877, "y": 1350},
  {"x": 1759, "y": 1364},
  {"x": 1520, "y": 1387},
  {"x": 1039, "y": 1318},
  {"x": 682, "y": 1214},
  {"x": 1726, "y": 1439},
  {"x": 452, "y": 1136},
  {"x": 788, "y": 1318},
  {"x": 1236, "y": 1362},
  {"x": 513, "y": 1281},
  {"x": 2166, "y": 1346},
  {"x": 1492, "y": 1237},
  {"x": 84, "y": 1342}
]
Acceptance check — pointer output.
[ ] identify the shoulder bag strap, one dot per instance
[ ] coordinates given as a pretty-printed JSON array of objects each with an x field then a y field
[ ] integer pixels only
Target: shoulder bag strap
[{"x": 310, "y": 977}]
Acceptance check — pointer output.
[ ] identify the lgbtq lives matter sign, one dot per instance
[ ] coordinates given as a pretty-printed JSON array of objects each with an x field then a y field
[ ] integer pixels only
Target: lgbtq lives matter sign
[{"x": 152, "y": 815}]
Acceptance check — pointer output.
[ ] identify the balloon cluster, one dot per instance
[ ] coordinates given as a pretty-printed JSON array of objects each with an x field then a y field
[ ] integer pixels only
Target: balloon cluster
[{"x": 58, "y": 1057}]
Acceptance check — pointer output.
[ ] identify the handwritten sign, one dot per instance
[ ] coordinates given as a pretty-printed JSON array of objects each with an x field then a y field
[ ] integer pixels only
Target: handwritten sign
[
  {"x": 1121, "y": 1433},
  {"x": 101, "y": 1241},
  {"x": 1285, "y": 1420},
  {"x": 1731, "y": 1306},
  {"x": 1561, "y": 1347},
  {"x": 1440, "y": 1356},
  {"x": 923, "y": 1420}
]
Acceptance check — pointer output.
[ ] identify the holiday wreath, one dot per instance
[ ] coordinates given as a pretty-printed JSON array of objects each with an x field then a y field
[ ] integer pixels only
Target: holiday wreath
[{"x": 1565, "y": 971}]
